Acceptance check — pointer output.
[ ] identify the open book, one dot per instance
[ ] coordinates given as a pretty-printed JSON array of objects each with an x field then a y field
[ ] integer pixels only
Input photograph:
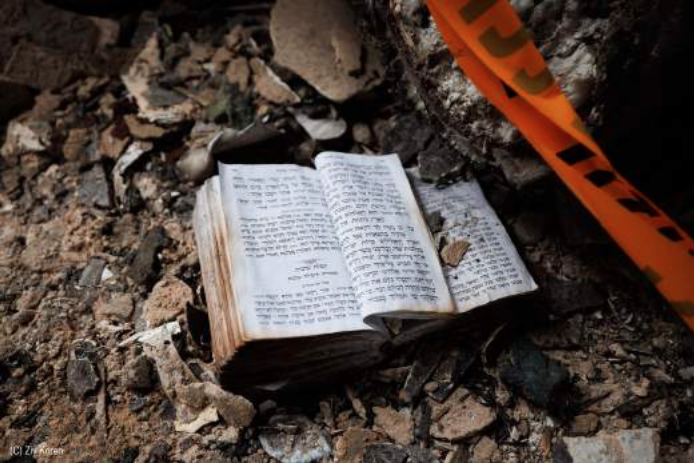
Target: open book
[{"x": 302, "y": 267}]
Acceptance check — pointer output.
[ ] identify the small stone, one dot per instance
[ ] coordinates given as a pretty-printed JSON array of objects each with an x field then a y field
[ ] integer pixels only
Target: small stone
[
  {"x": 399, "y": 426},
  {"x": 91, "y": 275},
  {"x": 75, "y": 144},
  {"x": 440, "y": 163},
  {"x": 235, "y": 410},
  {"x": 486, "y": 451},
  {"x": 460, "y": 417},
  {"x": 636, "y": 445},
  {"x": 168, "y": 300},
  {"x": 584, "y": 424},
  {"x": 349, "y": 448},
  {"x": 686, "y": 373},
  {"x": 453, "y": 253},
  {"x": 407, "y": 135},
  {"x": 270, "y": 86},
  {"x": 238, "y": 73},
  {"x": 143, "y": 130},
  {"x": 143, "y": 267},
  {"x": 139, "y": 374},
  {"x": 435, "y": 221},
  {"x": 529, "y": 371},
  {"x": 361, "y": 133},
  {"x": 94, "y": 189},
  {"x": 114, "y": 306},
  {"x": 520, "y": 170},
  {"x": 384, "y": 453},
  {"x": 294, "y": 438},
  {"x": 82, "y": 378}
]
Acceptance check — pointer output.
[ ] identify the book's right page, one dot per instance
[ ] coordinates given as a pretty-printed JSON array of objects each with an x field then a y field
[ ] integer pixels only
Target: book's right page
[{"x": 491, "y": 269}]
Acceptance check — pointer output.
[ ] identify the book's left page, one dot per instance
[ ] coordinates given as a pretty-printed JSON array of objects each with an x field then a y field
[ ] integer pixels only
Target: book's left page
[{"x": 288, "y": 272}]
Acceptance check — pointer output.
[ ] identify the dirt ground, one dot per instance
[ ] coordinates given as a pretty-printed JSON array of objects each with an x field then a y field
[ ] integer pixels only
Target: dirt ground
[{"x": 99, "y": 169}]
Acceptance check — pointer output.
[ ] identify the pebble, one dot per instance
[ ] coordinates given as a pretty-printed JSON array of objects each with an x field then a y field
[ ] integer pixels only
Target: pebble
[
  {"x": 461, "y": 416},
  {"x": 168, "y": 299},
  {"x": 294, "y": 439},
  {"x": 82, "y": 378},
  {"x": 398, "y": 425},
  {"x": 630, "y": 446},
  {"x": 529, "y": 371},
  {"x": 349, "y": 448},
  {"x": 139, "y": 374}
]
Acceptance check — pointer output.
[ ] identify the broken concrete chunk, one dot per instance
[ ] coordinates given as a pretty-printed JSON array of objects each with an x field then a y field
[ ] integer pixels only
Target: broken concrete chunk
[
  {"x": 270, "y": 86},
  {"x": 461, "y": 416},
  {"x": 26, "y": 136},
  {"x": 294, "y": 439},
  {"x": 168, "y": 299},
  {"x": 94, "y": 189},
  {"x": 239, "y": 73},
  {"x": 113, "y": 306},
  {"x": 321, "y": 43},
  {"x": 91, "y": 275},
  {"x": 76, "y": 143},
  {"x": 139, "y": 374},
  {"x": 349, "y": 448},
  {"x": 486, "y": 451},
  {"x": 630, "y": 446},
  {"x": 205, "y": 417},
  {"x": 528, "y": 370},
  {"x": 82, "y": 378},
  {"x": 143, "y": 130},
  {"x": 384, "y": 453},
  {"x": 452, "y": 253},
  {"x": 144, "y": 266},
  {"x": 398, "y": 425}
]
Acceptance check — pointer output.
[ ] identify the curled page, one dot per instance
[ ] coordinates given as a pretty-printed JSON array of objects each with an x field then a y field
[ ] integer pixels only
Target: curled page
[
  {"x": 385, "y": 242},
  {"x": 491, "y": 269}
]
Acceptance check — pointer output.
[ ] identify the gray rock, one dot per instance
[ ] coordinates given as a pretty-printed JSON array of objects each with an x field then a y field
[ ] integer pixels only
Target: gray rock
[
  {"x": 384, "y": 453},
  {"x": 295, "y": 439},
  {"x": 144, "y": 267},
  {"x": 82, "y": 378},
  {"x": 630, "y": 446},
  {"x": 94, "y": 189},
  {"x": 139, "y": 374},
  {"x": 530, "y": 227},
  {"x": 527, "y": 370},
  {"x": 91, "y": 275}
]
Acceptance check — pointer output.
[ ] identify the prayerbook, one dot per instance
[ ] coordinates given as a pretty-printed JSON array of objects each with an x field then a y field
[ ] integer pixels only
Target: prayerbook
[{"x": 305, "y": 269}]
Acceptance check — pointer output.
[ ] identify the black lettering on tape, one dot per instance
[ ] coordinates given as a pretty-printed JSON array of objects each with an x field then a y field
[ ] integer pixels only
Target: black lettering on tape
[
  {"x": 600, "y": 178},
  {"x": 510, "y": 92},
  {"x": 671, "y": 233},
  {"x": 638, "y": 205},
  {"x": 534, "y": 84},
  {"x": 575, "y": 154},
  {"x": 475, "y": 8},
  {"x": 500, "y": 46}
]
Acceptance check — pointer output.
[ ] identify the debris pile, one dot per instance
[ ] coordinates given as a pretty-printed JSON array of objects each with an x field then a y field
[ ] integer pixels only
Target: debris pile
[{"x": 104, "y": 345}]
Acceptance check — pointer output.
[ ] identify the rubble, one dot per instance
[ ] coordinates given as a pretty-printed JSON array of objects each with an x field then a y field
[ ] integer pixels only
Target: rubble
[
  {"x": 327, "y": 50},
  {"x": 542, "y": 380},
  {"x": 637, "y": 445},
  {"x": 398, "y": 425},
  {"x": 294, "y": 439},
  {"x": 460, "y": 417},
  {"x": 97, "y": 263},
  {"x": 168, "y": 299}
]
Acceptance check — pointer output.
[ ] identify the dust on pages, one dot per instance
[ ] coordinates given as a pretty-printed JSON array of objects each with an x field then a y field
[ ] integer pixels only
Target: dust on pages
[{"x": 303, "y": 267}]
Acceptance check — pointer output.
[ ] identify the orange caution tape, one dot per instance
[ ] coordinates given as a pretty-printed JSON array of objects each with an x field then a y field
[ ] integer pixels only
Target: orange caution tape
[{"x": 496, "y": 52}]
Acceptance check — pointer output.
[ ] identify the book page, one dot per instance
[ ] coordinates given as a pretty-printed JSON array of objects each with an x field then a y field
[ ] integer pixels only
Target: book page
[
  {"x": 386, "y": 245},
  {"x": 491, "y": 268},
  {"x": 288, "y": 271}
]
